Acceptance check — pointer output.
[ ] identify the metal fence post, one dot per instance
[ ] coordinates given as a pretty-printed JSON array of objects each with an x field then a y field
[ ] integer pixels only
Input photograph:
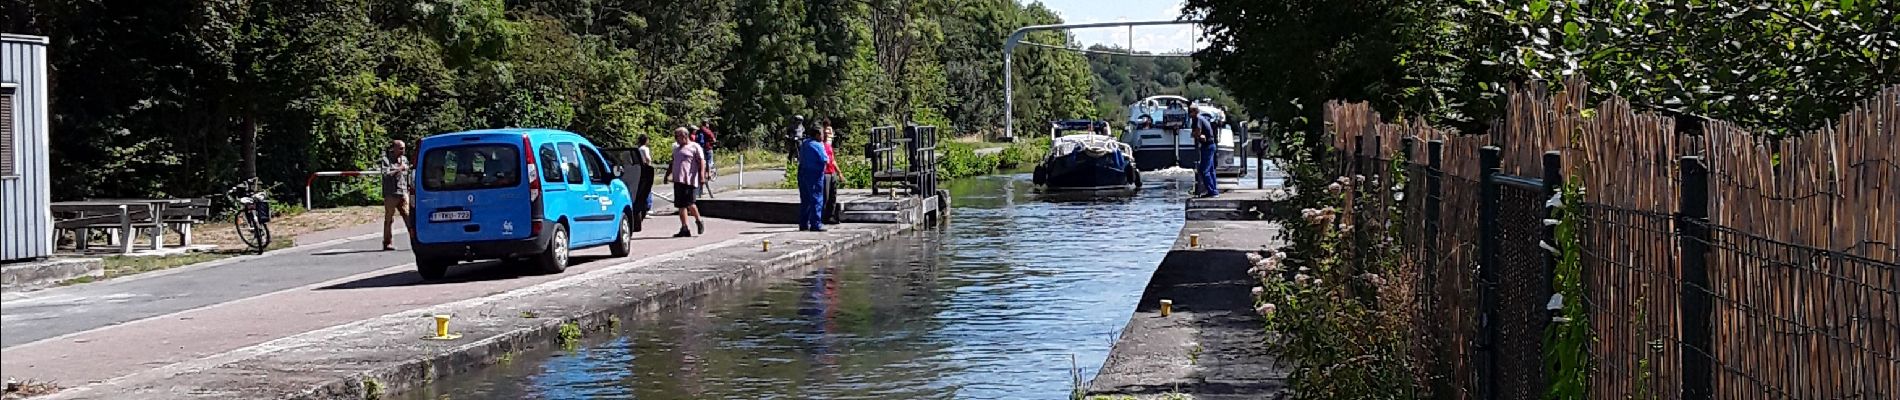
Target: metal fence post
[
  {"x": 1434, "y": 175},
  {"x": 1489, "y": 158},
  {"x": 1693, "y": 236},
  {"x": 1553, "y": 182}
]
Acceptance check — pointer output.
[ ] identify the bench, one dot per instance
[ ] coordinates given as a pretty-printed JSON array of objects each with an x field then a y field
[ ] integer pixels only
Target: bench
[
  {"x": 121, "y": 219},
  {"x": 180, "y": 217}
]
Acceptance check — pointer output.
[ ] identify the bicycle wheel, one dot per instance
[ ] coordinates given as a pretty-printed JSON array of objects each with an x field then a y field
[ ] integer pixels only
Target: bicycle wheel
[{"x": 254, "y": 234}]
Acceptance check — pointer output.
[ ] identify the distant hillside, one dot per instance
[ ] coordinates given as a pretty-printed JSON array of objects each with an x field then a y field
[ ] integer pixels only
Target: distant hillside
[{"x": 1120, "y": 80}]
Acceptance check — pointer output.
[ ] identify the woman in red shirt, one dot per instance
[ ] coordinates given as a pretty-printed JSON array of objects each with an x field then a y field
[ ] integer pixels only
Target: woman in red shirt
[{"x": 832, "y": 210}]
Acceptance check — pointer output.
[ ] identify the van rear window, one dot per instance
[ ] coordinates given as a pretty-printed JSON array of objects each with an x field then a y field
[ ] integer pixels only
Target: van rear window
[{"x": 476, "y": 166}]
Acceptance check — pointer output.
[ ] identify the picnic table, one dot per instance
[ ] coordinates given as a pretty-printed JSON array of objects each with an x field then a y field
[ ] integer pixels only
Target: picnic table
[{"x": 128, "y": 217}]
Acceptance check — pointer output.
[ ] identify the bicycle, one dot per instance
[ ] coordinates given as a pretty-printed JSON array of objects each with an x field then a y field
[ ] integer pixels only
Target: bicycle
[{"x": 253, "y": 214}]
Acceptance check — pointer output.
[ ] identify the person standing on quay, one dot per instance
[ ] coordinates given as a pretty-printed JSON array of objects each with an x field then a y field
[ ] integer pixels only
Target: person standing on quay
[
  {"x": 688, "y": 173},
  {"x": 645, "y": 161},
  {"x": 395, "y": 168},
  {"x": 812, "y": 160},
  {"x": 1203, "y": 131},
  {"x": 833, "y": 214}
]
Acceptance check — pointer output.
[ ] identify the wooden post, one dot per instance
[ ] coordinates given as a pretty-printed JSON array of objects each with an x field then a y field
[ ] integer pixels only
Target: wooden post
[{"x": 1692, "y": 234}]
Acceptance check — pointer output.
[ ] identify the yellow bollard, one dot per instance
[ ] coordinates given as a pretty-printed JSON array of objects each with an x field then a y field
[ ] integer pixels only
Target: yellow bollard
[
  {"x": 1194, "y": 241},
  {"x": 765, "y": 246},
  {"x": 442, "y": 329},
  {"x": 1167, "y": 307}
]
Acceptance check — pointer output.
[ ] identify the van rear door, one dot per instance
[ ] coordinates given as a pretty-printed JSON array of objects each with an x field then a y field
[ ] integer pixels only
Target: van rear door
[{"x": 471, "y": 189}]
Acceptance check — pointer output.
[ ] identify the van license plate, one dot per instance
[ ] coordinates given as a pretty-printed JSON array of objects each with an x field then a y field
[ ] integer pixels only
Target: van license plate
[{"x": 439, "y": 216}]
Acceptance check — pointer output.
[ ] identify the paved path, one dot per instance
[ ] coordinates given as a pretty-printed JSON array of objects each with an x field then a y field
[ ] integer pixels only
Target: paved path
[{"x": 87, "y": 333}]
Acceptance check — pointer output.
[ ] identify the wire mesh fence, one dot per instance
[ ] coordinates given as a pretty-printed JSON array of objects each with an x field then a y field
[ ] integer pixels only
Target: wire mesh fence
[{"x": 1716, "y": 263}]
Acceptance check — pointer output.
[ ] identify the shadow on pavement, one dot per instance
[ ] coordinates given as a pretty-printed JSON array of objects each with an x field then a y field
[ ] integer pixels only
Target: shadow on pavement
[{"x": 461, "y": 273}]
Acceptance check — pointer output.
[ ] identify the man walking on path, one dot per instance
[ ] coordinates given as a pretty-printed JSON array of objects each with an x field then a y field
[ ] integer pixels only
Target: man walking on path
[
  {"x": 707, "y": 141},
  {"x": 793, "y": 135},
  {"x": 688, "y": 174},
  {"x": 812, "y": 161},
  {"x": 395, "y": 168},
  {"x": 1203, "y": 130}
]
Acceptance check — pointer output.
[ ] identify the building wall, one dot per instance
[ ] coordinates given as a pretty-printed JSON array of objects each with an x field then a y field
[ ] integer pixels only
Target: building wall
[{"x": 26, "y": 221}]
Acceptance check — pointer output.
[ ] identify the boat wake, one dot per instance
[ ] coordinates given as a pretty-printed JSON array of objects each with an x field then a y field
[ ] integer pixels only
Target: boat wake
[{"x": 1169, "y": 174}]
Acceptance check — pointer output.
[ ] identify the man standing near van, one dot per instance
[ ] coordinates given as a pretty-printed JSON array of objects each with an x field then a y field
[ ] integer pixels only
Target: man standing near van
[
  {"x": 688, "y": 173},
  {"x": 395, "y": 166}
]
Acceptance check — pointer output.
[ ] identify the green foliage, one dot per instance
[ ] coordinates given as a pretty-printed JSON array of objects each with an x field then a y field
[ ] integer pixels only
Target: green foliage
[
  {"x": 152, "y": 98},
  {"x": 1567, "y": 344},
  {"x": 1783, "y": 64},
  {"x": 1024, "y": 153},
  {"x": 957, "y": 160},
  {"x": 1336, "y": 300},
  {"x": 569, "y": 336}
]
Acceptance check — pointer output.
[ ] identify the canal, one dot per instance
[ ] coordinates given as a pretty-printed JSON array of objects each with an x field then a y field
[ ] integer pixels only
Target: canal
[{"x": 1011, "y": 300}]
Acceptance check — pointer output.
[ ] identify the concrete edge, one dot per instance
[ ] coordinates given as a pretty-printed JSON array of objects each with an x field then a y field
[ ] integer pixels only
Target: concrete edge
[
  {"x": 393, "y": 380},
  {"x": 15, "y": 279}
]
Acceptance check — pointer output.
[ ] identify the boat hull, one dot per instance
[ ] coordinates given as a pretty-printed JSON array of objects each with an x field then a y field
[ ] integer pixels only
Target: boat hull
[
  {"x": 1164, "y": 157},
  {"x": 1078, "y": 171}
]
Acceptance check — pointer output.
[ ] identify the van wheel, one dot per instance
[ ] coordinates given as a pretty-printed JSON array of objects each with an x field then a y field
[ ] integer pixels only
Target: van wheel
[
  {"x": 433, "y": 269},
  {"x": 623, "y": 243},
  {"x": 554, "y": 259}
]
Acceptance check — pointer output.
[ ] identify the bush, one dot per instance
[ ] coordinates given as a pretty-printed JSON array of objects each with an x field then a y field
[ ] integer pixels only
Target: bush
[
  {"x": 1023, "y": 154},
  {"x": 1343, "y": 314}
]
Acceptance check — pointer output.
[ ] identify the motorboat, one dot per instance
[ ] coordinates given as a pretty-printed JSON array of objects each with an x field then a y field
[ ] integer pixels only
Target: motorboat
[
  {"x": 1159, "y": 133},
  {"x": 1083, "y": 155}
]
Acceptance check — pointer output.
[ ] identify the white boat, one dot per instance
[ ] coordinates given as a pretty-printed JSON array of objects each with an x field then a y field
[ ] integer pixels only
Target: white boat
[{"x": 1158, "y": 132}]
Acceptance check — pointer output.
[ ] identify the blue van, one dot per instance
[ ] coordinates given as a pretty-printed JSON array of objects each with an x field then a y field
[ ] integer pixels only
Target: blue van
[{"x": 516, "y": 195}]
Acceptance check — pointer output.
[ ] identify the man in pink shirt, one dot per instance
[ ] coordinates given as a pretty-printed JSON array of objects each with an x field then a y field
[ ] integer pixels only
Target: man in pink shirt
[{"x": 688, "y": 173}]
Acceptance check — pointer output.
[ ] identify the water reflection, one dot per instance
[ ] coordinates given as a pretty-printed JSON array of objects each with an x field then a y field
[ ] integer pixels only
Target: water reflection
[{"x": 992, "y": 307}]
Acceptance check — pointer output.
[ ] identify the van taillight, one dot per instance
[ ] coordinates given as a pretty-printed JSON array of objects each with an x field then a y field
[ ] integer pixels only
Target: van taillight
[
  {"x": 534, "y": 174},
  {"x": 535, "y": 228}
]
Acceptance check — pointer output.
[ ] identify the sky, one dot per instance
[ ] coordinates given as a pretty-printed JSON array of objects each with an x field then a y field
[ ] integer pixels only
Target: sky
[{"x": 1147, "y": 38}]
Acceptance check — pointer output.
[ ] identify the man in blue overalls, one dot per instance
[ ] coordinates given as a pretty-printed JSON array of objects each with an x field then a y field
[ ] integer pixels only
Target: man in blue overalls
[
  {"x": 811, "y": 182},
  {"x": 1204, "y": 132}
]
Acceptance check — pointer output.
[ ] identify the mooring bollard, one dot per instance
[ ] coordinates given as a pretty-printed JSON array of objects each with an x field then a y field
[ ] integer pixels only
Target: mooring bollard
[
  {"x": 442, "y": 329},
  {"x": 1194, "y": 241},
  {"x": 765, "y": 246},
  {"x": 1167, "y": 307}
]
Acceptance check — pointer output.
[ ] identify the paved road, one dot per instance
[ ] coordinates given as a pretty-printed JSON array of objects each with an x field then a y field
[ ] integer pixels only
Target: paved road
[{"x": 107, "y": 329}]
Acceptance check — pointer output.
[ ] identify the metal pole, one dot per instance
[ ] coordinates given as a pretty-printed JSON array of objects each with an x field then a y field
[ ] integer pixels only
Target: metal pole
[
  {"x": 1692, "y": 235},
  {"x": 1489, "y": 158},
  {"x": 1009, "y": 88},
  {"x": 742, "y": 170}
]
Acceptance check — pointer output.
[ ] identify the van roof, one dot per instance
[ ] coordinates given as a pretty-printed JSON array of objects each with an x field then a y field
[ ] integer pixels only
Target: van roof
[{"x": 504, "y": 131}]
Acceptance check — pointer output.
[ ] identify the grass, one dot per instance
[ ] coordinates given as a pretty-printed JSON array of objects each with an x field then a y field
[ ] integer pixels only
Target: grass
[
  {"x": 1194, "y": 355},
  {"x": 570, "y": 335},
  {"x": 372, "y": 389}
]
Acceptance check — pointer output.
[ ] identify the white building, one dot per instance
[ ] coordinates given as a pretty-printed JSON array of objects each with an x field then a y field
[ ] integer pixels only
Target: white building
[{"x": 26, "y": 220}]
